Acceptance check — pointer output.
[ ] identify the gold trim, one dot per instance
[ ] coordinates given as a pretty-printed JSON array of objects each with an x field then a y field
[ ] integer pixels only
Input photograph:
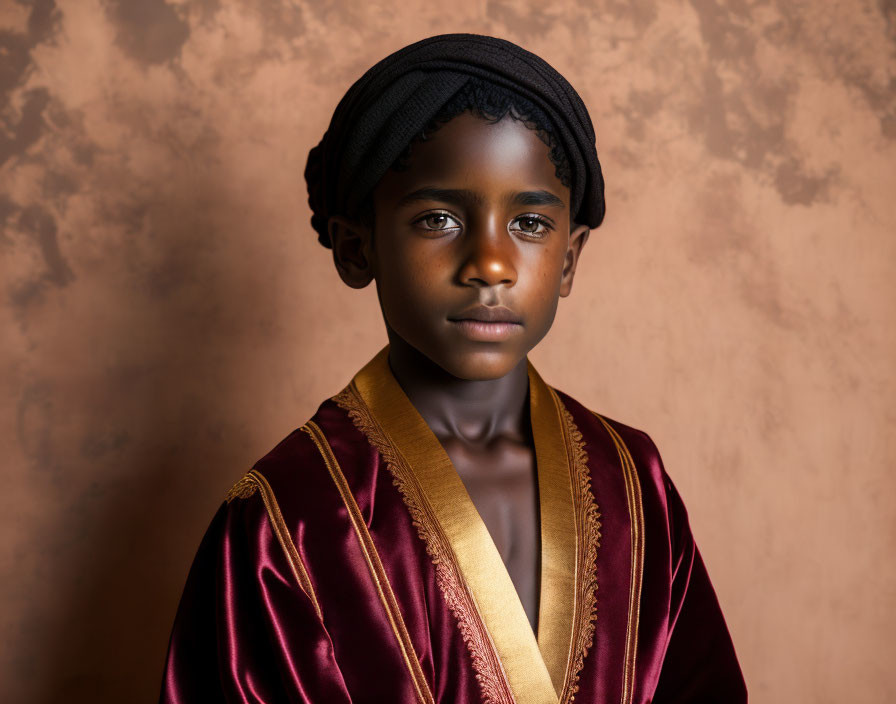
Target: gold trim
[
  {"x": 380, "y": 579},
  {"x": 587, "y": 529},
  {"x": 247, "y": 487},
  {"x": 243, "y": 489},
  {"x": 570, "y": 537},
  {"x": 636, "y": 515},
  {"x": 489, "y": 673},
  {"x": 510, "y": 664},
  {"x": 559, "y": 537},
  {"x": 480, "y": 564}
]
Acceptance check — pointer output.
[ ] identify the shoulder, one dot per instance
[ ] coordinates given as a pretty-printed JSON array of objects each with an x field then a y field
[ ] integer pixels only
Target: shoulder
[
  {"x": 302, "y": 472},
  {"x": 610, "y": 443},
  {"x": 256, "y": 496},
  {"x": 285, "y": 473},
  {"x": 288, "y": 461},
  {"x": 598, "y": 428}
]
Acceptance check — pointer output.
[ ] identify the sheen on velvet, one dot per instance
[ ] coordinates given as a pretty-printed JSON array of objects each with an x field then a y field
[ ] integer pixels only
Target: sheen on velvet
[{"x": 330, "y": 578}]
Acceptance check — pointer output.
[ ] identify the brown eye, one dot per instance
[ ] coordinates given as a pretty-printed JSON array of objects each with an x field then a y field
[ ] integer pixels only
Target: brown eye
[
  {"x": 531, "y": 226},
  {"x": 528, "y": 224},
  {"x": 437, "y": 222}
]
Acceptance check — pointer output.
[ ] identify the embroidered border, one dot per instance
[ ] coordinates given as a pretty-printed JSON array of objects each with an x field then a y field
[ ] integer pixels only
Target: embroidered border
[
  {"x": 380, "y": 579},
  {"x": 247, "y": 486},
  {"x": 486, "y": 664},
  {"x": 588, "y": 526},
  {"x": 636, "y": 514}
]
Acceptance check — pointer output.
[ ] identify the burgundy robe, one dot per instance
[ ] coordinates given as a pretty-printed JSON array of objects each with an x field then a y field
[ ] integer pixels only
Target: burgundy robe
[{"x": 350, "y": 565}]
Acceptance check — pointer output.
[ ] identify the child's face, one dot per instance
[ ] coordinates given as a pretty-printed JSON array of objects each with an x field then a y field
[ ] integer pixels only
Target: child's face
[{"x": 476, "y": 227}]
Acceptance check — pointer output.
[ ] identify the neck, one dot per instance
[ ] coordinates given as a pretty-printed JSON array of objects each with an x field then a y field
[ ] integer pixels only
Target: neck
[{"x": 471, "y": 411}]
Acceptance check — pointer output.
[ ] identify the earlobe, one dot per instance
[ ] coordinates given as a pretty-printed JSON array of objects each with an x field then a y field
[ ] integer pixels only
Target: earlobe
[
  {"x": 351, "y": 251},
  {"x": 578, "y": 236}
]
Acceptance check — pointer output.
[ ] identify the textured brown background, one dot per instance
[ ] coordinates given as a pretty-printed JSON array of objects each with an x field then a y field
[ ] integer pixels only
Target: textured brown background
[{"x": 167, "y": 315}]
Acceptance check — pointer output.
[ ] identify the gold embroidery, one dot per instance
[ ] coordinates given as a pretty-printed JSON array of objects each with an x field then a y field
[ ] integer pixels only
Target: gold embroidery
[
  {"x": 374, "y": 564},
  {"x": 489, "y": 672},
  {"x": 636, "y": 515},
  {"x": 588, "y": 527},
  {"x": 243, "y": 489},
  {"x": 246, "y": 487}
]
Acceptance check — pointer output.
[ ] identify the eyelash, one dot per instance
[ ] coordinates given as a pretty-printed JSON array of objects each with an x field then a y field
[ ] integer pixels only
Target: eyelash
[{"x": 539, "y": 219}]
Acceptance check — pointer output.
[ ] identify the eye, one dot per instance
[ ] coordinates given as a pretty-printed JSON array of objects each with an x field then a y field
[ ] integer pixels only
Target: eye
[
  {"x": 531, "y": 225},
  {"x": 437, "y": 222}
]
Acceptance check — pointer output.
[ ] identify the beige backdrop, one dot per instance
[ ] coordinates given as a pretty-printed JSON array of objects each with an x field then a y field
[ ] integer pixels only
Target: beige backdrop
[{"x": 167, "y": 315}]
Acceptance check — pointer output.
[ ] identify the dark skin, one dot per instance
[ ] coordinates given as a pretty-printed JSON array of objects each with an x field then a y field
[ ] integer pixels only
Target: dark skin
[{"x": 471, "y": 248}]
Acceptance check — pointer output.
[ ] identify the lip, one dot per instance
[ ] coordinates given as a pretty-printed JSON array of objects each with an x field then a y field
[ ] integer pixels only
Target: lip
[
  {"x": 487, "y": 314},
  {"x": 487, "y": 323}
]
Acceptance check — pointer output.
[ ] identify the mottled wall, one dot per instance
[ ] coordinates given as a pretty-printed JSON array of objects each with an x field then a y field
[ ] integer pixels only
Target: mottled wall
[{"x": 167, "y": 315}]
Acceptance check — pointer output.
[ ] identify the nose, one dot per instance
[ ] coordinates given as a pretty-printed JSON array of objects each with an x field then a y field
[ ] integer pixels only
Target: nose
[{"x": 488, "y": 257}]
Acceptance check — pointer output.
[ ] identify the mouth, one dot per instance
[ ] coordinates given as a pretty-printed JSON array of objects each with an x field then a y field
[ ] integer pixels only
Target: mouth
[{"x": 487, "y": 323}]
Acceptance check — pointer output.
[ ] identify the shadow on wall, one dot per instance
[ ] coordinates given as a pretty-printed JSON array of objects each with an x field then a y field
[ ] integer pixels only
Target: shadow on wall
[
  {"x": 129, "y": 309},
  {"x": 133, "y": 449},
  {"x": 132, "y": 318}
]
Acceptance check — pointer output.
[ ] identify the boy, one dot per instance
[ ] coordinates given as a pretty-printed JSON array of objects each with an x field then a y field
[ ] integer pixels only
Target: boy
[{"x": 448, "y": 527}]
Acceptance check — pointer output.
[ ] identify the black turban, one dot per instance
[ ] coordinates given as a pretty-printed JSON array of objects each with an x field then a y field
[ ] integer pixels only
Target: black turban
[{"x": 390, "y": 104}]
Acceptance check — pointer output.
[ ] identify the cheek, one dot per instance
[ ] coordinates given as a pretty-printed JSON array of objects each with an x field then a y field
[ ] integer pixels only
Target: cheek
[
  {"x": 542, "y": 291},
  {"x": 419, "y": 269},
  {"x": 405, "y": 286},
  {"x": 543, "y": 274}
]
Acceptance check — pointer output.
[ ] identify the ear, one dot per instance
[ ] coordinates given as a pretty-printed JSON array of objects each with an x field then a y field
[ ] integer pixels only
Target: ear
[
  {"x": 351, "y": 250},
  {"x": 578, "y": 236}
]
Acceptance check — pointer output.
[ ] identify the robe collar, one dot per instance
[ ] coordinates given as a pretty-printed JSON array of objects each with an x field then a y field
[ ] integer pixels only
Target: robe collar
[{"x": 535, "y": 668}]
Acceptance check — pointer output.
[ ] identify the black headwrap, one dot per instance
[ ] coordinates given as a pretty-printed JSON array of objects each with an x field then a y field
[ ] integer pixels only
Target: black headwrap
[{"x": 390, "y": 104}]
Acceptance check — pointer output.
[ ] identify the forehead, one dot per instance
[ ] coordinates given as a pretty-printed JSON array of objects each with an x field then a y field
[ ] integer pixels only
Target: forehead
[{"x": 469, "y": 152}]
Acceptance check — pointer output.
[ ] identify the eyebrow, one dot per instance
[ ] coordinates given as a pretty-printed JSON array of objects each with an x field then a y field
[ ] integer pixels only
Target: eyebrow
[
  {"x": 464, "y": 197},
  {"x": 455, "y": 196},
  {"x": 537, "y": 198}
]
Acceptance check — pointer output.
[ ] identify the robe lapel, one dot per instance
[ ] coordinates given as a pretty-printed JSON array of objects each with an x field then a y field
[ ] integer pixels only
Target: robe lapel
[
  {"x": 535, "y": 669},
  {"x": 559, "y": 534}
]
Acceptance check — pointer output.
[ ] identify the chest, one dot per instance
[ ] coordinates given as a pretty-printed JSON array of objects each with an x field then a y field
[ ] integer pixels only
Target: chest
[{"x": 501, "y": 480}]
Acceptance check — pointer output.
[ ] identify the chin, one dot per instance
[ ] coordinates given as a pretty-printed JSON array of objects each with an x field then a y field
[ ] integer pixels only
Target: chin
[{"x": 481, "y": 366}]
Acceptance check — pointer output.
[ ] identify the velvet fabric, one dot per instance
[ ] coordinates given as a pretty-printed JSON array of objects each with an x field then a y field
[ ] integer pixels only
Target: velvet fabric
[{"x": 246, "y": 631}]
